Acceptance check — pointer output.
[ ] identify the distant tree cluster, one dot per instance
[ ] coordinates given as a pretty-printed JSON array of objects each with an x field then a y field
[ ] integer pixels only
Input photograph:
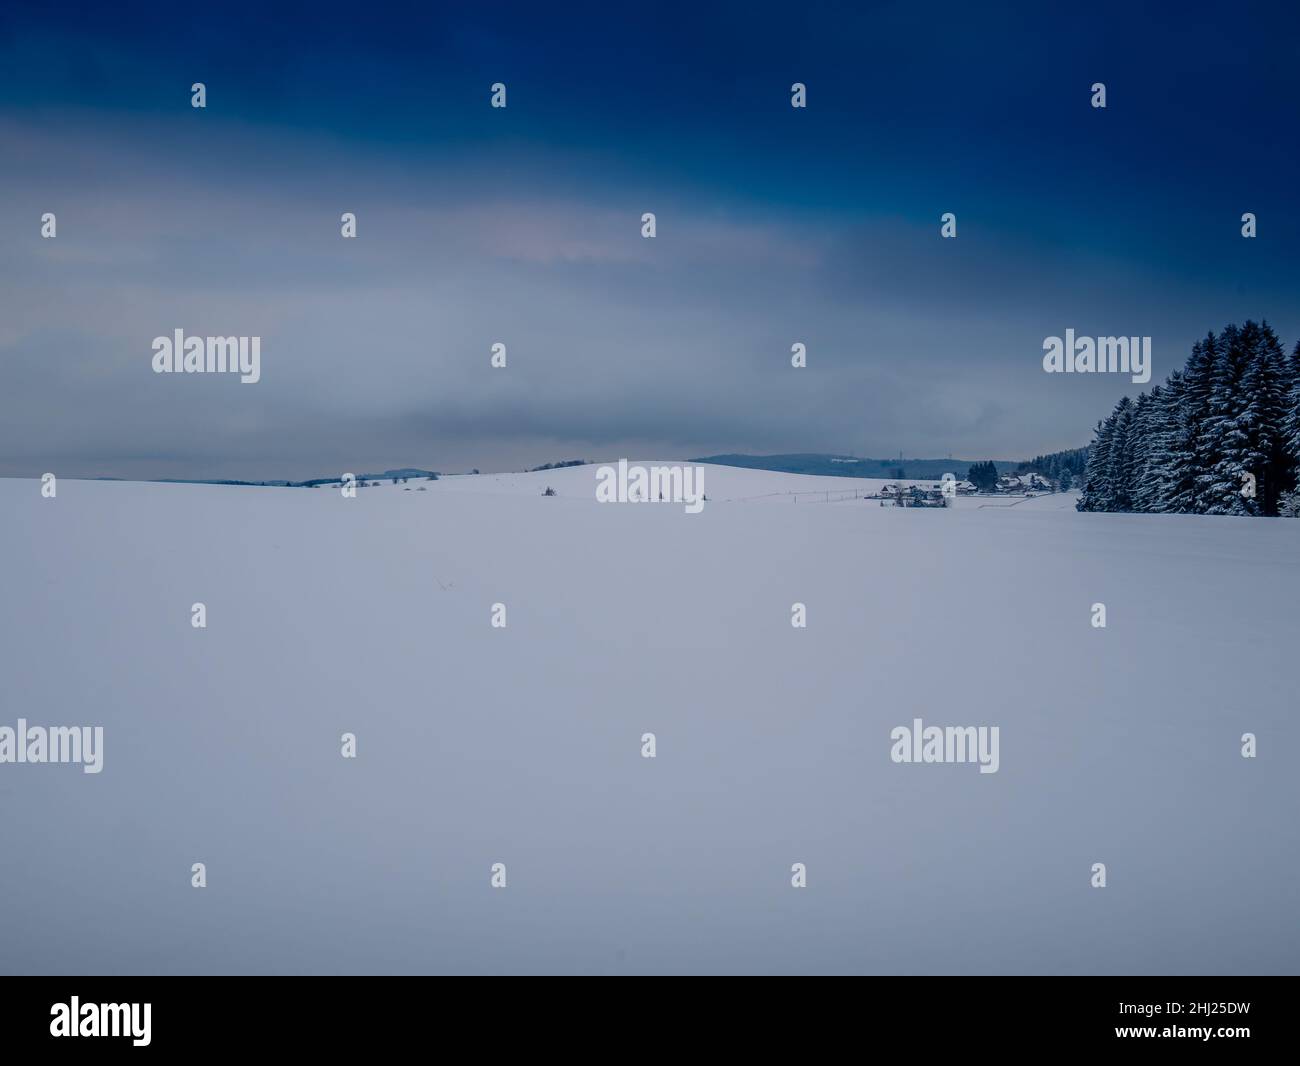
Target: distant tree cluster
[
  {"x": 1065, "y": 468},
  {"x": 984, "y": 476},
  {"x": 1221, "y": 436},
  {"x": 558, "y": 466}
]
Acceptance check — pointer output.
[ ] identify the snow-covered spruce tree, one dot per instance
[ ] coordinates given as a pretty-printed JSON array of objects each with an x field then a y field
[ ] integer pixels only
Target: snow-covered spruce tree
[
  {"x": 1187, "y": 460},
  {"x": 1244, "y": 430},
  {"x": 1155, "y": 416},
  {"x": 1288, "y": 445},
  {"x": 1222, "y": 441},
  {"x": 1096, "y": 494},
  {"x": 1108, "y": 475},
  {"x": 1231, "y": 435},
  {"x": 1139, "y": 443},
  {"x": 1291, "y": 425},
  {"x": 1120, "y": 472},
  {"x": 1171, "y": 429},
  {"x": 1262, "y": 419}
]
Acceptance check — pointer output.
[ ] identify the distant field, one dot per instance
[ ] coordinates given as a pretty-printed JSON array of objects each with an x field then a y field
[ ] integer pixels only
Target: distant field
[{"x": 522, "y": 745}]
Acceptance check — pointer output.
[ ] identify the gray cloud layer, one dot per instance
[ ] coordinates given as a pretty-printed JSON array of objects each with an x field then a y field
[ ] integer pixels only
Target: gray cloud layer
[{"x": 375, "y": 351}]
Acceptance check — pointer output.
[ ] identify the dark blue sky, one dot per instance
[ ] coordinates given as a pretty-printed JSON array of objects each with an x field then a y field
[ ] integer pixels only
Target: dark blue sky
[{"x": 775, "y": 225}]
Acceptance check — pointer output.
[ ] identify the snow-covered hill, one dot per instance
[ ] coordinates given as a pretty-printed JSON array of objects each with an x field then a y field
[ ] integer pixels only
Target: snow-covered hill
[
  {"x": 522, "y": 745},
  {"x": 721, "y": 483}
]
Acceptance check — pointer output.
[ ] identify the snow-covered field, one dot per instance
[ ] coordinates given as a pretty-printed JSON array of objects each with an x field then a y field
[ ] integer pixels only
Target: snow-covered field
[{"x": 522, "y": 745}]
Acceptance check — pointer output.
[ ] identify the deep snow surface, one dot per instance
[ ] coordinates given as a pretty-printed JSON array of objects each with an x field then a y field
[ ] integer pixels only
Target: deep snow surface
[{"x": 522, "y": 745}]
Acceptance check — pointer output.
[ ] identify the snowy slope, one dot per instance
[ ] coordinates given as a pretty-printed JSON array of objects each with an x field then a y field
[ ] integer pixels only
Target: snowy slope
[
  {"x": 720, "y": 482},
  {"x": 522, "y": 745}
]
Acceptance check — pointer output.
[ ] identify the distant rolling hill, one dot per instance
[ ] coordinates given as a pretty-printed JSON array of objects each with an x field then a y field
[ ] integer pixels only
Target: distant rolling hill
[
  {"x": 387, "y": 475},
  {"x": 852, "y": 466}
]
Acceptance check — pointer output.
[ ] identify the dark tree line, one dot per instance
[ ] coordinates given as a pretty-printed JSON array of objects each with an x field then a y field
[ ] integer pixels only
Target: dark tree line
[
  {"x": 1220, "y": 436},
  {"x": 984, "y": 476},
  {"x": 1062, "y": 467},
  {"x": 557, "y": 466}
]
